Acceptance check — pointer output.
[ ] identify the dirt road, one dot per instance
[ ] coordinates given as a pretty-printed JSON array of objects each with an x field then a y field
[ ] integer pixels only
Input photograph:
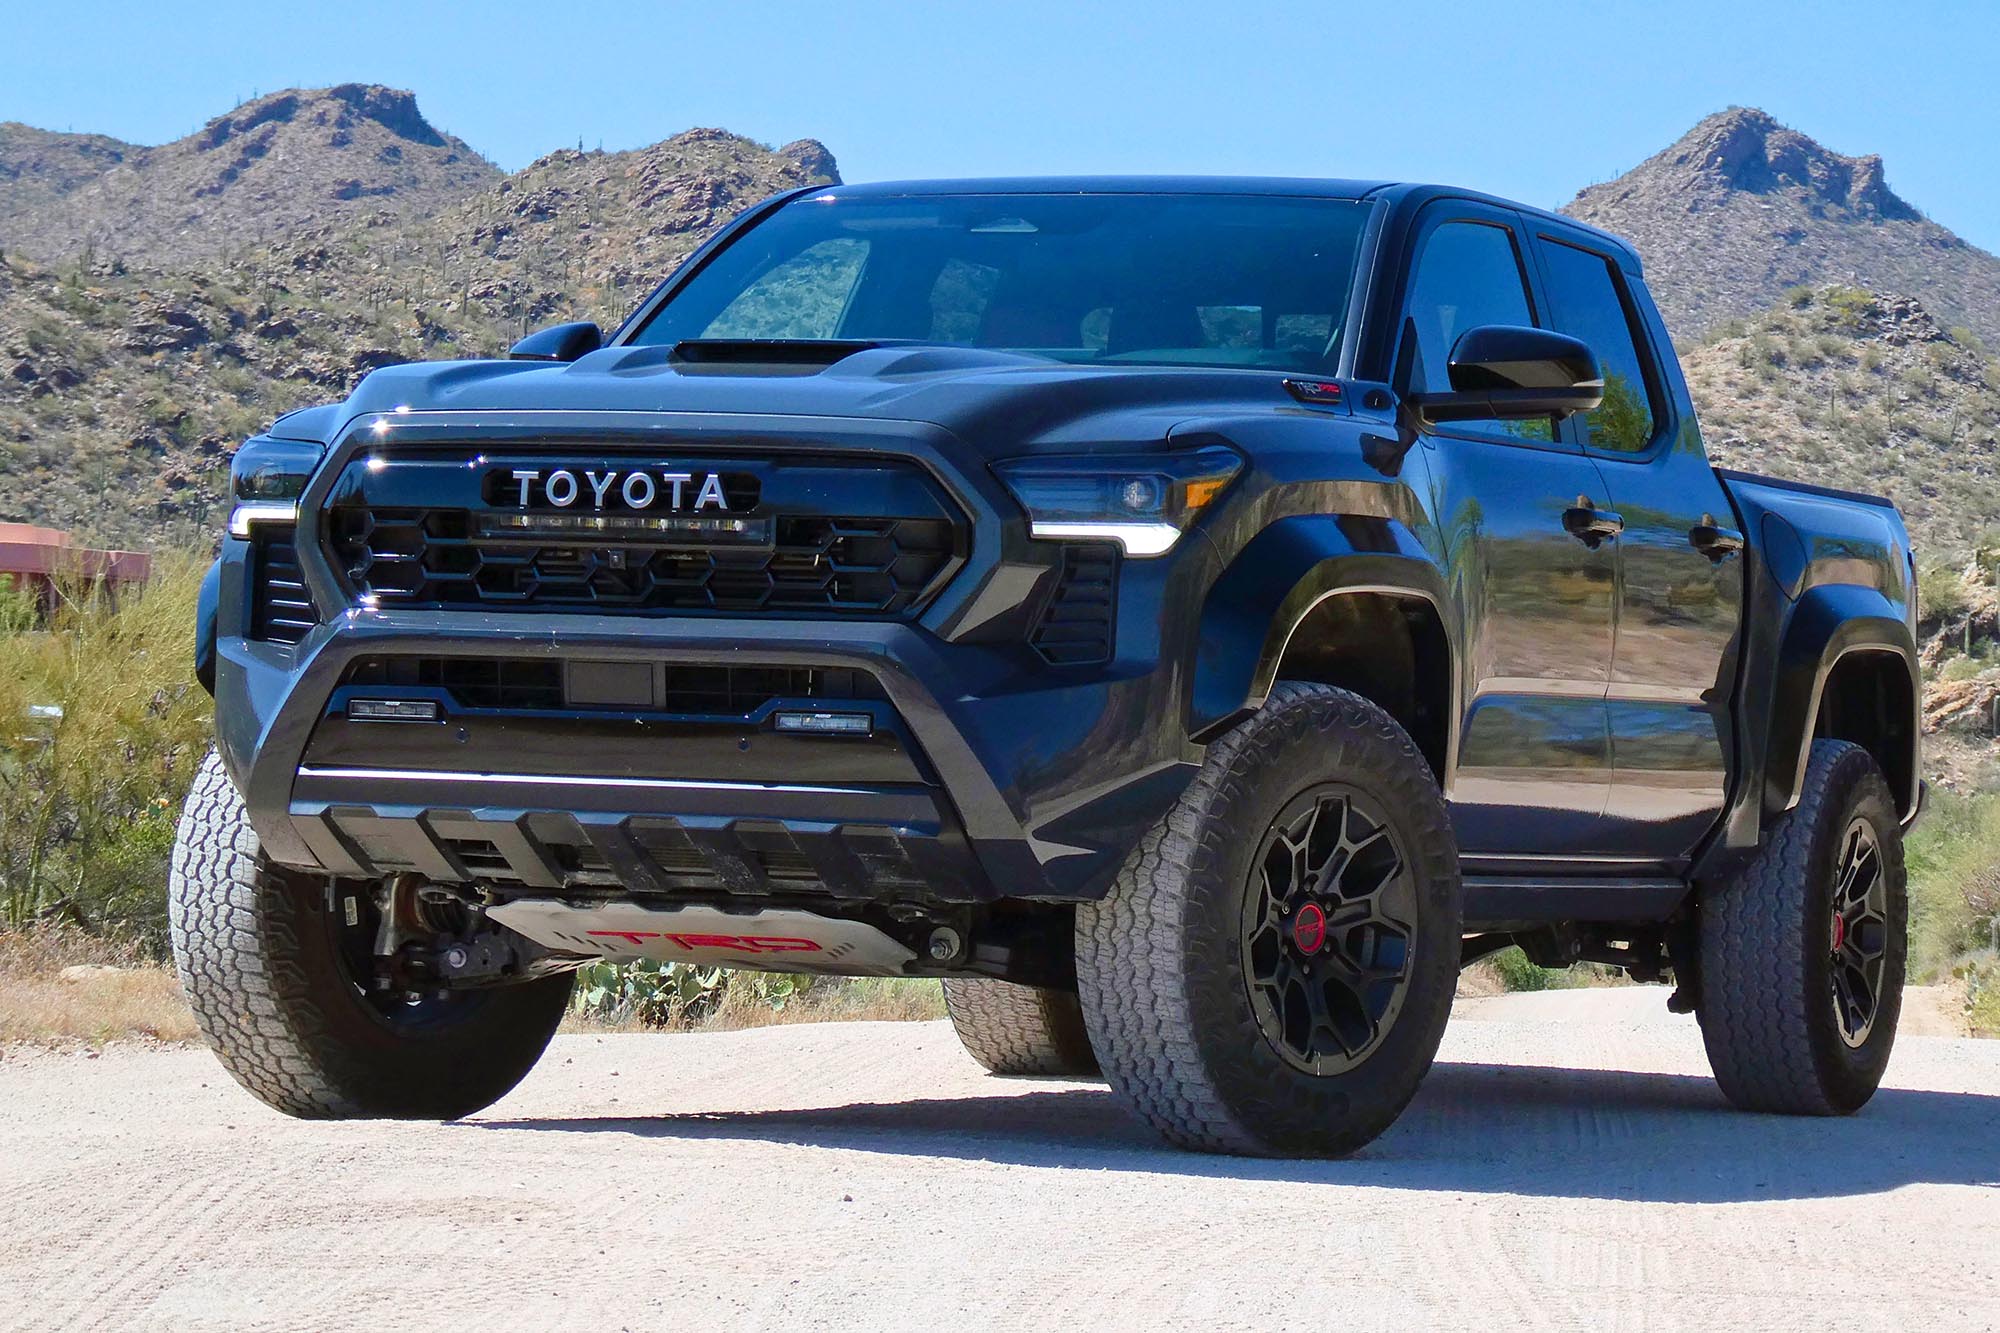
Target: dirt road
[{"x": 1567, "y": 1165}]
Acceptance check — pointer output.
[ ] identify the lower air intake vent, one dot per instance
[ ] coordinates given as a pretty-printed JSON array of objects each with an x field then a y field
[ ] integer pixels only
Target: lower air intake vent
[
  {"x": 1077, "y": 627},
  {"x": 280, "y": 609}
]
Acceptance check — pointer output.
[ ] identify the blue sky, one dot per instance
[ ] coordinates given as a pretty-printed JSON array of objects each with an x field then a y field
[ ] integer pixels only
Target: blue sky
[{"x": 1530, "y": 101}]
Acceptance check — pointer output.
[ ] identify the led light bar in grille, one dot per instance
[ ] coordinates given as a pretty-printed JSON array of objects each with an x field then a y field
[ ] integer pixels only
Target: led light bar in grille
[{"x": 637, "y": 527}]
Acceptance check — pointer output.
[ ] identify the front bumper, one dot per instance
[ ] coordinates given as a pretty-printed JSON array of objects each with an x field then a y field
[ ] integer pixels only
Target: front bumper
[{"x": 1027, "y": 785}]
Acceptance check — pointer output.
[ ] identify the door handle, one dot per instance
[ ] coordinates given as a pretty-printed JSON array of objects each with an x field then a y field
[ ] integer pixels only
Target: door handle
[
  {"x": 1591, "y": 525},
  {"x": 1717, "y": 543}
]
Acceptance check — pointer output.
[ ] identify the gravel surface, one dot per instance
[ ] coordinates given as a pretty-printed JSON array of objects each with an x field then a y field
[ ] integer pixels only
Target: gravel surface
[{"x": 1568, "y": 1164}]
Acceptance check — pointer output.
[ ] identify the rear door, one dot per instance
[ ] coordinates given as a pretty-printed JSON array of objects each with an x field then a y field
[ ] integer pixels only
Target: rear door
[
  {"x": 1532, "y": 776},
  {"x": 1680, "y": 579}
]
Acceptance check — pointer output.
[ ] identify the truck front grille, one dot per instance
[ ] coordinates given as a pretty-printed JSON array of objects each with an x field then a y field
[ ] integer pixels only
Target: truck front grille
[{"x": 867, "y": 566}]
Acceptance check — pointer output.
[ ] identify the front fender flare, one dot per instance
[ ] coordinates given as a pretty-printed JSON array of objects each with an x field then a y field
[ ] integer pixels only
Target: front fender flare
[
  {"x": 206, "y": 605},
  {"x": 1274, "y": 581}
]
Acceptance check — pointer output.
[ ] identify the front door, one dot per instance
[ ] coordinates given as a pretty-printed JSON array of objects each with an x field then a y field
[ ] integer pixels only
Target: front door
[
  {"x": 1533, "y": 588},
  {"x": 1681, "y": 575}
]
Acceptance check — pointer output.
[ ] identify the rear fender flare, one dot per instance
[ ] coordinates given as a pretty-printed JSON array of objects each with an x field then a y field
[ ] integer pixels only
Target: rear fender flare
[{"x": 1829, "y": 623}]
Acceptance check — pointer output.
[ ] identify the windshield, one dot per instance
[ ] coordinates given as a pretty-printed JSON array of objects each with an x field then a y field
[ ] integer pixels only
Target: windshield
[{"x": 1199, "y": 280}]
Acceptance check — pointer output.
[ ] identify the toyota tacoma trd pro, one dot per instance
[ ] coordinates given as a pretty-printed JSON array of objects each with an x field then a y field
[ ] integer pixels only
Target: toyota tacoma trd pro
[{"x": 1192, "y": 618}]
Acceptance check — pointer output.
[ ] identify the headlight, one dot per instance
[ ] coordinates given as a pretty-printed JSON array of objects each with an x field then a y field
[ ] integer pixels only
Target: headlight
[
  {"x": 266, "y": 479},
  {"x": 1144, "y": 502}
]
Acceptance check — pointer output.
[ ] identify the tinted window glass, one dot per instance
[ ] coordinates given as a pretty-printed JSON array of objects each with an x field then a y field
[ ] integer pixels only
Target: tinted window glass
[
  {"x": 1586, "y": 302},
  {"x": 802, "y": 297},
  {"x": 1214, "y": 280},
  {"x": 1468, "y": 274}
]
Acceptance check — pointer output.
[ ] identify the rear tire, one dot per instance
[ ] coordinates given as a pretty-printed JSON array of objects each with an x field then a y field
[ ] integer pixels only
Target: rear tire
[
  {"x": 1014, "y": 1029},
  {"x": 1803, "y": 950},
  {"x": 1272, "y": 971},
  {"x": 260, "y": 956}
]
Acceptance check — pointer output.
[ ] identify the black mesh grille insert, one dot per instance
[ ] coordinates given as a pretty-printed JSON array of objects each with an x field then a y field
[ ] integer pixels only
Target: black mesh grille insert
[
  {"x": 843, "y": 566},
  {"x": 1077, "y": 627},
  {"x": 280, "y": 610}
]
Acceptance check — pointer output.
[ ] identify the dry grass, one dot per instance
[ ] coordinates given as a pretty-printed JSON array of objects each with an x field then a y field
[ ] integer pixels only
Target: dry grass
[
  {"x": 63, "y": 988},
  {"x": 862, "y": 999}
]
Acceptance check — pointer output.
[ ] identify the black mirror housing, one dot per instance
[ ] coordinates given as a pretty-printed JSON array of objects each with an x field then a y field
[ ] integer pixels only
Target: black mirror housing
[
  {"x": 1508, "y": 373},
  {"x": 559, "y": 342}
]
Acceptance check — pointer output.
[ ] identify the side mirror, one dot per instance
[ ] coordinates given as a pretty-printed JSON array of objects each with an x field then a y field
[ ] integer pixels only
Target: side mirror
[
  {"x": 560, "y": 342},
  {"x": 1506, "y": 373}
]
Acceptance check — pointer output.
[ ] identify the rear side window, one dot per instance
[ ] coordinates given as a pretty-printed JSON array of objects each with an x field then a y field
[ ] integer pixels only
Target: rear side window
[
  {"x": 1588, "y": 302},
  {"x": 1468, "y": 274}
]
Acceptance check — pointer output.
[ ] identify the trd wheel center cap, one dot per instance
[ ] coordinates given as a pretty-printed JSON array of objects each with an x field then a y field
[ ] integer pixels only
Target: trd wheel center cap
[{"x": 1309, "y": 929}]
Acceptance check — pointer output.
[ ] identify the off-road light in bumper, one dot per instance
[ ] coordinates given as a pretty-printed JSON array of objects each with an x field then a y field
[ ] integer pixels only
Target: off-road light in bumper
[
  {"x": 1144, "y": 502},
  {"x": 825, "y": 724},
  {"x": 392, "y": 710}
]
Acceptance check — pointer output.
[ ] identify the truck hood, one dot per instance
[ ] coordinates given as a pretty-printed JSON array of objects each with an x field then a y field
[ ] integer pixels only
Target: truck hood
[{"x": 999, "y": 403}]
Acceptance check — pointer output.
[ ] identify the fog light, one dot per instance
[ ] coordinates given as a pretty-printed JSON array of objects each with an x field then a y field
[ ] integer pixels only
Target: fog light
[
  {"x": 392, "y": 710},
  {"x": 827, "y": 724}
]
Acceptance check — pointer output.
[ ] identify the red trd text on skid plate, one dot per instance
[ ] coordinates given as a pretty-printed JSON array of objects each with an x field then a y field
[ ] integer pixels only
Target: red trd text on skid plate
[{"x": 740, "y": 943}]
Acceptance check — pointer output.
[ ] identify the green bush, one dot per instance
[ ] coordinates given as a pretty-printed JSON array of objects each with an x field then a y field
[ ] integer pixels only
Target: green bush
[
  {"x": 665, "y": 995},
  {"x": 1517, "y": 973},
  {"x": 1954, "y": 868},
  {"x": 101, "y": 728}
]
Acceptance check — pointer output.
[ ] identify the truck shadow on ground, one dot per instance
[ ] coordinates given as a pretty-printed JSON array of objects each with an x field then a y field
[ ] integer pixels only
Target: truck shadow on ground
[{"x": 1474, "y": 1128}]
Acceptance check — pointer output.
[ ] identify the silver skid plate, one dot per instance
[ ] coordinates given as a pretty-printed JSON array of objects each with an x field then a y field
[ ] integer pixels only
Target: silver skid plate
[{"x": 774, "y": 940}]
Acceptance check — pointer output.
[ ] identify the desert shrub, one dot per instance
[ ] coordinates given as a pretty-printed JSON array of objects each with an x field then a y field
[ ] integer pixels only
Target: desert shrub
[
  {"x": 1517, "y": 973},
  {"x": 101, "y": 728},
  {"x": 1848, "y": 307},
  {"x": 1979, "y": 976},
  {"x": 666, "y": 995},
  {"x": 1940, "y": 593},
  {"x": 1954, "y": 867}
]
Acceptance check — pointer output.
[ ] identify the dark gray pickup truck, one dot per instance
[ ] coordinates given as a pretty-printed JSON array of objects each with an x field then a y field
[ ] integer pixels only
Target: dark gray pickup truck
[{"x": 1192, "y": 618}]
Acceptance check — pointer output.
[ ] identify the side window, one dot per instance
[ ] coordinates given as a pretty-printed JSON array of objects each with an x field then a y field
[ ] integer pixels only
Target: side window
[
  {"x": 803, "y": 297},
  {"x": 1587, "y": 303},
  {"x": 1468, "y": 274}
]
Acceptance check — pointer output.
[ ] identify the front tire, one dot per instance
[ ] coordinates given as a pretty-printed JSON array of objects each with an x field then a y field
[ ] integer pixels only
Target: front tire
[
  {"x": 1803, "y": 950},
  {"x": 1272, "y": 972},
  {"x": 1019, "y": 1030},
  {"x": 260, "y": 954}
]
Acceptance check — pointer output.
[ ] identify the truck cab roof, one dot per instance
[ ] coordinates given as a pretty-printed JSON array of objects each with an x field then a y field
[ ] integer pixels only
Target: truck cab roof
[{"x": 1403, "y": 194}]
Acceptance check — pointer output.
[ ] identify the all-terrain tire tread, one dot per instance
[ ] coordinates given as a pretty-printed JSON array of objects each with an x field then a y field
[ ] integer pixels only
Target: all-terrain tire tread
[
  {"x": 261, "y": 974},
  {"x": 265, "y": 1032},
  {"x": 1131, "y": 946},
  {"x": 1754, "y": 985},
  {"x": 1014, "y": 1029}
]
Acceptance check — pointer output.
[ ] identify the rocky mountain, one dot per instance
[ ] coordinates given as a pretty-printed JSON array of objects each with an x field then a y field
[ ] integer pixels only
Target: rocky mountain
[
  {"x": 1741, "y": 209},
  {"x": 573, "y": 234},
  {"x": 38, "y": 168},
  {"x": 1843, "y": 387},
  {"x": 264, "y": 171},
  {"x": 124, "y": 388}
]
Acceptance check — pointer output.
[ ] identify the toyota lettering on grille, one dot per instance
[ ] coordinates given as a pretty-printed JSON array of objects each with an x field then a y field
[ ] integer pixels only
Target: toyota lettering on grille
[{"x": 634, "y": 489}]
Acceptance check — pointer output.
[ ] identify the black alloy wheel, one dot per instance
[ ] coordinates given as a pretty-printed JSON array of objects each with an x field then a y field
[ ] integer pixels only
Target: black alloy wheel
[
  {"x": 1859, "y": 933},
  {"x": 1327, "y": 925}
]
